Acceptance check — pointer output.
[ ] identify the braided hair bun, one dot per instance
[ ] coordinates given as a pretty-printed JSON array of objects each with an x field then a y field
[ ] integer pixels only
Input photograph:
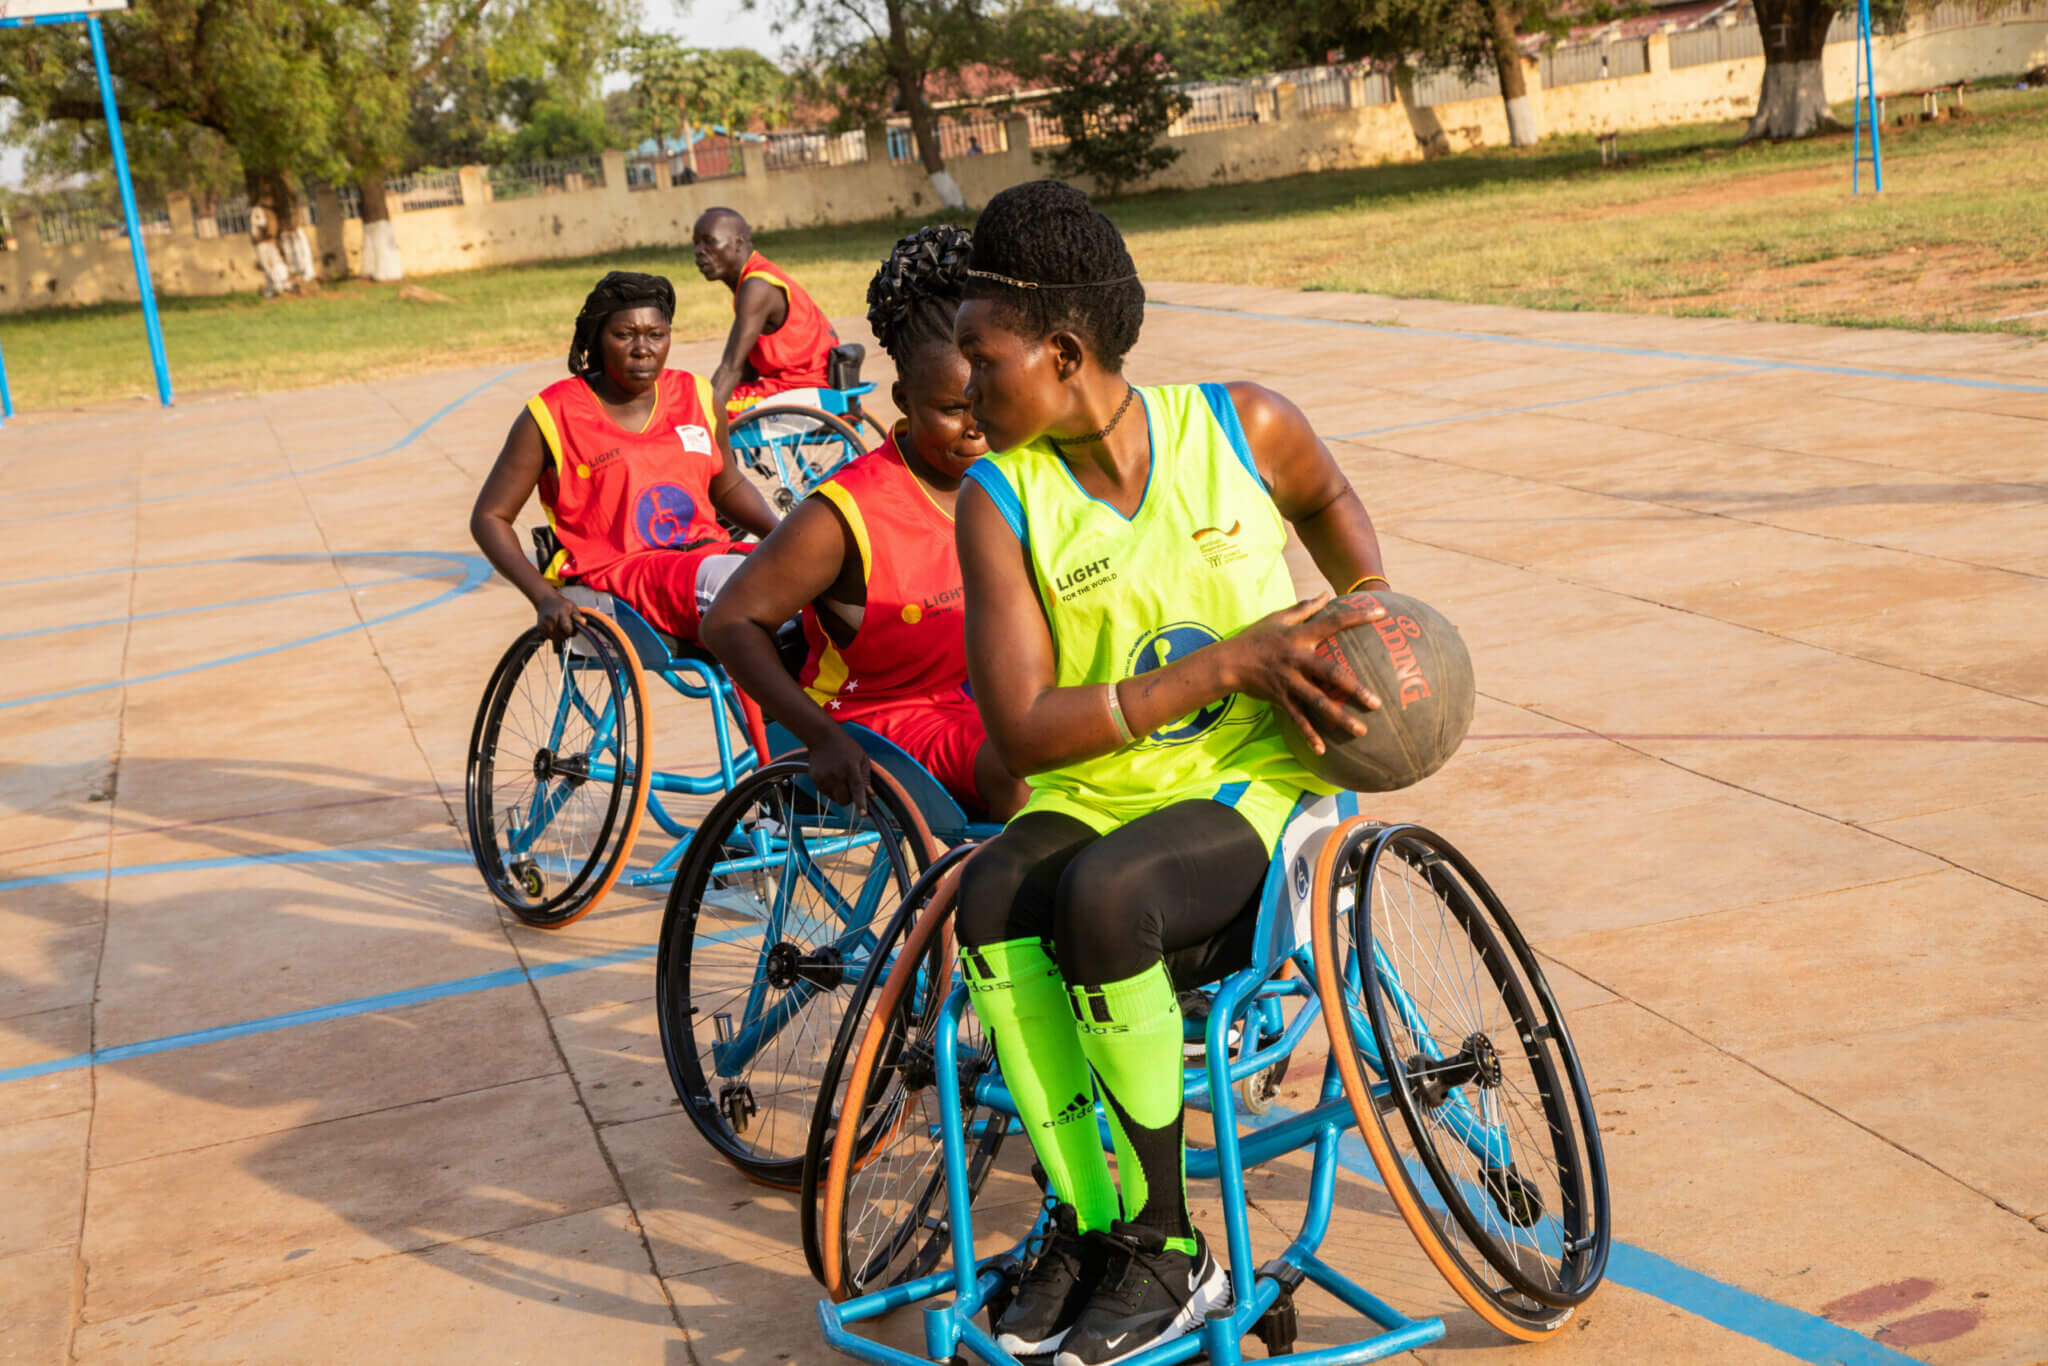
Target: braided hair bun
[
  {"x": 913, "y": 296},
  {"x": 617, "y": 291}
]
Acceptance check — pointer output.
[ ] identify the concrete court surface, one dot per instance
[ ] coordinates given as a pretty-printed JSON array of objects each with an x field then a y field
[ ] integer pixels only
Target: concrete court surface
[{"x": 1760, "y": 618}]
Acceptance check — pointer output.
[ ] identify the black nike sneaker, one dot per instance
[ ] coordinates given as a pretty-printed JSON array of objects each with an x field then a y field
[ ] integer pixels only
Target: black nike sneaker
[
  {"x": 1155, "y": 1295},
  {"x": 1052, "y": 1293}
]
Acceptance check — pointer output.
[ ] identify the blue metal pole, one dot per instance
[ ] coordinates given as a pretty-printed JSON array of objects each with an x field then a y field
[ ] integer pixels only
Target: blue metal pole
[
  {"x": 1870, "y": 95},
  {"x": 6, "y": 397},
  {"x": 135, "y": 247}
]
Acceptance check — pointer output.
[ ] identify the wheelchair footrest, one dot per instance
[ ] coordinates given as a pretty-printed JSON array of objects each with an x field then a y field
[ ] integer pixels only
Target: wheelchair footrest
[{"x": 1280, "y": 1324}]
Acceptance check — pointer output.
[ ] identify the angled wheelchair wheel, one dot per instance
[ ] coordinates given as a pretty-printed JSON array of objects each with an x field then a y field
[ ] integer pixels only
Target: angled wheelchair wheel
[
  {"x": 788, "y": 449},
  {"x": 557, "y": 779},
  {"x": 771, "y": 922},
  {"x": 872, "y": 429},
  {"x": 874, "y": 1207},
  {"x": 1439, "y": 1012}
]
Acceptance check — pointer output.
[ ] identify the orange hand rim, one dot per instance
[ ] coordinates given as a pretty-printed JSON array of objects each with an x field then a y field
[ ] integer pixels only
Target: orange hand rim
[
  {"x": 936, "y": 919},
  {"x": 1358, "y": 1091}
]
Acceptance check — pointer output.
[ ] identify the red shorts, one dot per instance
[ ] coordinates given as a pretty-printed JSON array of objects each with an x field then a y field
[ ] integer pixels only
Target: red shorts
[
  {"x": 943, "y": 736},
  {"x": 661, "y": 585}
]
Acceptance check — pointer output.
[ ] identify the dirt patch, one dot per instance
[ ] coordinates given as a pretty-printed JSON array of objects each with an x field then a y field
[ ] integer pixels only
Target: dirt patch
[
  {"x": 1943, "y": 285},
  {"x": 1720, "y": 194}
]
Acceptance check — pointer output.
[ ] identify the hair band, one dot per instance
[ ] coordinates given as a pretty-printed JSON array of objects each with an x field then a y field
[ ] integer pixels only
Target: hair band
[{"x": 1034, "y": 284}]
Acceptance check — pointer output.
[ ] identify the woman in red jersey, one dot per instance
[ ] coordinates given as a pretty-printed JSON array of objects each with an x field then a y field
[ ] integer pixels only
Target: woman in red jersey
[
  {"x": 869, "y": 561},
  {"x": 632, "y": 467}
]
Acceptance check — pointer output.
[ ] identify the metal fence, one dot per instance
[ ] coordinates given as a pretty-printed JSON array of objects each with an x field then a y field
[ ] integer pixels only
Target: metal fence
[
  {"x": 1576, "y": 63},
  {"x": 1445, "y": 86},
  {"x": 63, "y": 221},
  {"x": 972, "y": 134},
  {"x": 1222, "y": 105},
  {"x": 524, "y": 179},
  {"x": 231, "y": 216},
  {"x": 426, "y": 190},
  {"x": 814, "y": 147}
]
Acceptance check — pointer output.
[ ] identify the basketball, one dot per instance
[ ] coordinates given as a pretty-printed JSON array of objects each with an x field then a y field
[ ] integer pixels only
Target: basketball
[{"x": 1415, "y": 662}]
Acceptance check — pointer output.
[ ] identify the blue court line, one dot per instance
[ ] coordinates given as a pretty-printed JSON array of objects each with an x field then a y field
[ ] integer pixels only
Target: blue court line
[
  {"x": 475, "y": 571},
  {"x": 209, "y": 607},
  {"x": 397, "y": 445},
  {"x": 362, "y": 1005},
  {"x": 1794, "y": 1332},
  {"x": 281, "y": 859},
  {"x": 1539, "y": 407},
  {"x": 1594, "y": 348}
]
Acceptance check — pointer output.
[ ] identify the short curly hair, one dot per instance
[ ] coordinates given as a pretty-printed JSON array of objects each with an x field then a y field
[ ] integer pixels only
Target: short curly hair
[
  {"x": 913, "y": 297},
  {"x": 1045, "y": 232}
]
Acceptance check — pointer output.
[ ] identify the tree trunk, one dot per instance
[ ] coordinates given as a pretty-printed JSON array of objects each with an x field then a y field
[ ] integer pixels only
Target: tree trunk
[
  {"x": 381, "y": 261},
  {"x": 909, "y": 75},
  {"x": 690, "y": 146},
  {"x": 272, "y": 193},
  {"x": 1514, "y": 78},
  {"x": 1794, "y": 100}
]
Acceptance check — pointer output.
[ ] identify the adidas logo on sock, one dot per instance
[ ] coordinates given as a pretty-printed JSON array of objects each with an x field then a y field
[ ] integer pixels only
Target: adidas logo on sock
[{"x": 1080, "y": 1107}]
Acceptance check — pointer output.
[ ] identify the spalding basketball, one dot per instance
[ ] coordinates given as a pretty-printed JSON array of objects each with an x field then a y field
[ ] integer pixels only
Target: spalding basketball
[{"x": 1415, "y": 662}]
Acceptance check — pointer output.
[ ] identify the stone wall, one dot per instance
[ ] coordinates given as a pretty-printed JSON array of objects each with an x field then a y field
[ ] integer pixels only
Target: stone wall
[{"x": 483, "y": 232}]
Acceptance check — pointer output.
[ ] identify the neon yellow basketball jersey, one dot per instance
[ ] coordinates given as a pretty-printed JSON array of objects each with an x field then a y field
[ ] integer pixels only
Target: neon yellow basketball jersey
[{"x": 1200, "y": 560}]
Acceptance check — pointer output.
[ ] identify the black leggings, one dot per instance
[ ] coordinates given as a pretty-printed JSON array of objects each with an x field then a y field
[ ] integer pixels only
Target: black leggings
[{"x": 1113, "y": 905}]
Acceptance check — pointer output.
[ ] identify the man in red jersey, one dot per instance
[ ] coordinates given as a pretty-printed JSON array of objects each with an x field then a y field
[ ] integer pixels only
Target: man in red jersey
[{"x": 779, "y": 339}]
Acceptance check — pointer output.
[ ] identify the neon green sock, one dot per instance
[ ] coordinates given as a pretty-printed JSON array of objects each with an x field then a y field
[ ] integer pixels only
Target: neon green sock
[
  {"x": 1021, "y": 999},
  {"x": 1131, "y": 1032}
]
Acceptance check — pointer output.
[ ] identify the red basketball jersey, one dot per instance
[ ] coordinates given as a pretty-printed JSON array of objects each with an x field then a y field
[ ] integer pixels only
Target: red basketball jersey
[
  {"x": 793, "y": 356},
  {"x": 610, "y": 493},
  {"x": 910, "y": 646}
]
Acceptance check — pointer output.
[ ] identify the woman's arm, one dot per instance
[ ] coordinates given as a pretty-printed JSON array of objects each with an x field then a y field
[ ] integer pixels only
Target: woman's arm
[
  {"x": 732, "y": 493},
  {"x": 510, "y": 483},
  {"x": 1308, "y": 488},
  {"x": 1037, "y": 727},
  {"x": 806, "y": 558}
]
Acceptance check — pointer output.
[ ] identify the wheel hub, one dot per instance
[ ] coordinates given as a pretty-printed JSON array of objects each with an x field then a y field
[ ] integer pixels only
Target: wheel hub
[
  {"x": 1476, "y": 1063},
  {"x": 573, "y": 769}
]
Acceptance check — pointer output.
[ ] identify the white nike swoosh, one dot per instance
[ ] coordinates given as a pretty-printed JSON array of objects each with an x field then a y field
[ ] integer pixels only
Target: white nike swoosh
[{"x": 1115, "y": 1342}]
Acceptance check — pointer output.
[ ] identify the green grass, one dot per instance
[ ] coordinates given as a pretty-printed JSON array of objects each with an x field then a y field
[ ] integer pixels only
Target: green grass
[{"x": 1691, "y": 223}]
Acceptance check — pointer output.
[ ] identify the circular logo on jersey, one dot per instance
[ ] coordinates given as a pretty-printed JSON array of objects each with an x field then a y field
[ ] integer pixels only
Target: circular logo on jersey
[
  {"x": 583, "y": 471},
  {"x": 912, "y": 614},
  {"x": 664, "y": 515},
  {"x": 1157, "y": 649}
]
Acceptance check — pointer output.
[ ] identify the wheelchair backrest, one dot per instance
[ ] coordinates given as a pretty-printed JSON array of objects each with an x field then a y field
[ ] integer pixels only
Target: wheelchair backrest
[
  {"x": 1285, "y": 901},
  {"x": 842, "y": 365}
]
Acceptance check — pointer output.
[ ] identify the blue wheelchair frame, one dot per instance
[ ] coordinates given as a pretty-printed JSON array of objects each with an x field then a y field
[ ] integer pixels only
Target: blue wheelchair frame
[
  {"x": 694, "y": 674},
  {"x": 840, "y": 403},
  {"x": 1253, "y": 998}
]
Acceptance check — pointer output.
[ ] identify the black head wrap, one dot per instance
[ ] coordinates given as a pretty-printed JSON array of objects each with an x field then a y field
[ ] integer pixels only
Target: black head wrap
[
  {"x": 617, "y": 291},
  {"x": 1049, "y": 257},
  {"x": 912, "y": 299}
]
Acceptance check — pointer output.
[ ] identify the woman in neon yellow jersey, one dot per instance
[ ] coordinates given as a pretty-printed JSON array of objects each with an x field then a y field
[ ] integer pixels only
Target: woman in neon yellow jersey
[{"x": 1132, "y": 636}]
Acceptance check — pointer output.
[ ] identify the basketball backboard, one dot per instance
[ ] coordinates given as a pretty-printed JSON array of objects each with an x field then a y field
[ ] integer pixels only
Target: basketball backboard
[{"x": 36, "y": 9}]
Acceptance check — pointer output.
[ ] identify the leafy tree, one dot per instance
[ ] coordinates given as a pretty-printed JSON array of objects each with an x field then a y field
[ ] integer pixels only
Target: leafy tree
[
  {"x": 1465, "y": 34},
  {"x": 875, "y": 57},
  {"x": 1209, "y": 40},
  {"x": 554, "y": 129},
  {"x": 1114, "y": 102},
  {"x": 674, "y": 86}
]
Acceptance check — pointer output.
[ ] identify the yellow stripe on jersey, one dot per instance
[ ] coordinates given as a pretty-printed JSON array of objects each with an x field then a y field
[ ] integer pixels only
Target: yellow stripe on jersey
[{"x": 837, "y": 495}]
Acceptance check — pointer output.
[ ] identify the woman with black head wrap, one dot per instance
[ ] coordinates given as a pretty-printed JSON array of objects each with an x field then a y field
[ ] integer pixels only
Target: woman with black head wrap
[
  {"x": 1134, "y": 636},
  {"x": 868, "y": 560},
  {"x": 631, "y": 463}
]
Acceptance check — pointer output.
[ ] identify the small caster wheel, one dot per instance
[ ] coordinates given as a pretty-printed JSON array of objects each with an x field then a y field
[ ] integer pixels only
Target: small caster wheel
[{"x": 527, "y": 873}]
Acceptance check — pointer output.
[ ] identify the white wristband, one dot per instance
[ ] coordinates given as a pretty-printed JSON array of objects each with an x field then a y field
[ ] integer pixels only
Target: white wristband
[{"x": 1116, "y": 714}]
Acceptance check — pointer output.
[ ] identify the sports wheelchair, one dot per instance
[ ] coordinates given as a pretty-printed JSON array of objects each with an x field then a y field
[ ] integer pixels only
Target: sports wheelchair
[
  {"x": 772, "y": 924},
  {"x": 791, "y": 442},
  {"x": 1447, "y": 1054}
]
